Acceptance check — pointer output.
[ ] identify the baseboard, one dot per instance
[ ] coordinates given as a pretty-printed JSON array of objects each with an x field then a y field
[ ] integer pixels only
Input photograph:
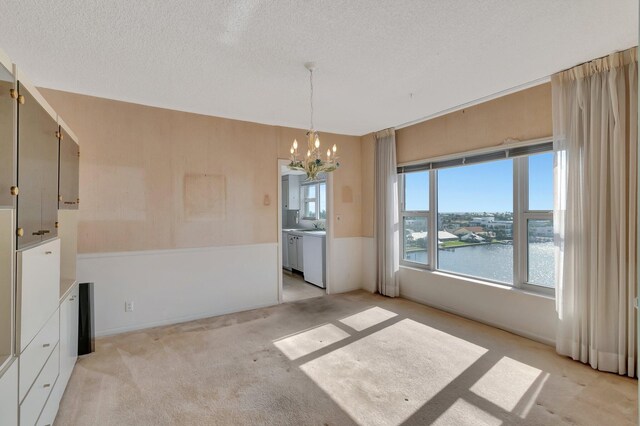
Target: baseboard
[
  {"x": 523, "y": 333},
  {"x": 179, "y": 320}
]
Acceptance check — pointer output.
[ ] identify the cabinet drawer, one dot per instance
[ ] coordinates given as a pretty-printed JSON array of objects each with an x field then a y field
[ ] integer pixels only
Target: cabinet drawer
[
  {"x": 38, "y": 288},
  {"x": 9, "y": 395},
  {"x": 33, "y": 403},
  {"x": 51, "y": 407},
  {"x": 35, "y": 355}
]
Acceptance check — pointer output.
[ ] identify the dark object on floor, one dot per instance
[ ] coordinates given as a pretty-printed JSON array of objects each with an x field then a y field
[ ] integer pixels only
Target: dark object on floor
[{"x": 86, "y": 327}]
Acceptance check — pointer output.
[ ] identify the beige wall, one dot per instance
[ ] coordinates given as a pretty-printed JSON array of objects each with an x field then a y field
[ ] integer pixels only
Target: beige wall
[
  {"x": 153, "y": 179},
  {"x": 522, "y": 115}
]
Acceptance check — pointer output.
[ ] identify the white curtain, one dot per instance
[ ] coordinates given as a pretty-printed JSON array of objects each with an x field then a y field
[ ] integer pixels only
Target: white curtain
[
  {"x": 595, "y": 121},
  {"x": 386, "y": 214}
]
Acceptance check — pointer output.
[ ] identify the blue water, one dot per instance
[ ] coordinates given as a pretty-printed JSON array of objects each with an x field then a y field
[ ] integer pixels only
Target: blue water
[{"x": 495, "y": 262}]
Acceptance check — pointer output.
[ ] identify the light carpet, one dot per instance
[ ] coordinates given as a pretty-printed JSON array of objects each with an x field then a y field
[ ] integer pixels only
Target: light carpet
[{"x": 344, "y": 359}]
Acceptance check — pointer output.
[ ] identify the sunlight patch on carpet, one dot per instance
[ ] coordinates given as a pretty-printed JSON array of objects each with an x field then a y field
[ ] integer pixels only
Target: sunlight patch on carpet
[
  {"x": 368, "y": 318},
  {"x": 385, "y": 377},
  {"x": 507, "y": 383},
  {"x": 465, "y": 413},
  {"x": 309, "y": 341}
]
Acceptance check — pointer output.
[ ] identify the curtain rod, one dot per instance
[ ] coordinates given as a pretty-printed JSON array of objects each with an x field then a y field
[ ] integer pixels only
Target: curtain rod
[{"x": 487, "y": 98}]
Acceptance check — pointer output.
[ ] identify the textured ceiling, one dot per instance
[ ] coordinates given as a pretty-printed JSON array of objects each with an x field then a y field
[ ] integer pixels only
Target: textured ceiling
[{"x": 380, "y": 63}]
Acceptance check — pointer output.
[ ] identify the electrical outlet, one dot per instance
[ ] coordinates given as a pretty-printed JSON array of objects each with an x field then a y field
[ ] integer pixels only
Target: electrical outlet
[{"x": 128, "y": 306}]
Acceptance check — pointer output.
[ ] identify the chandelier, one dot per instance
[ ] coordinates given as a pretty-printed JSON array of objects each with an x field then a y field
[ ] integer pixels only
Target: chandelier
[{"x": 313, "y": 163}]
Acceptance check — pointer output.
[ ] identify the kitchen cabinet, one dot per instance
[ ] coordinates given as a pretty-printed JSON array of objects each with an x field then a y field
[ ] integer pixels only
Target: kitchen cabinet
[
  {"x": 296, "y": 258},
  {"x": 291, "y": 192},
  {"x": 37, "y": 181},
  {"x": 314, "y": 258},
  {"x": 7, "y": 131},
  {"x": 285, "y": 250},
  {"x": 69, "y": 157}
]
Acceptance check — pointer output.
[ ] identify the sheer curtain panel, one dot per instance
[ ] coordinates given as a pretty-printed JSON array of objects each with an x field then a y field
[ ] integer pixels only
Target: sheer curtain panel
[
  {"x": 387, "y": 226},
  {"x": 595, "y": 130}
]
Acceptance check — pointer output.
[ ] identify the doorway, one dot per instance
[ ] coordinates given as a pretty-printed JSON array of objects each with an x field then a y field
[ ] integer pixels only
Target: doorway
[{"x": 303, "y": 222}]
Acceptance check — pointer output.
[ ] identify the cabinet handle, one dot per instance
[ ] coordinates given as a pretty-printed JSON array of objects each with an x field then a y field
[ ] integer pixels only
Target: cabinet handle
[
  {"x": 46, "y": 385},
  {"x": 48, "y": 252},
  {"x": 46, "y": 345}
]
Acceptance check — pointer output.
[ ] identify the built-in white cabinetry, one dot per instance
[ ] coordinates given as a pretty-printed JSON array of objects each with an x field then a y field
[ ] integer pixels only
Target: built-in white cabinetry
[
  {"x": 294, "y": 245},
  {"x": 33, "y": 404},
  {"x": 38, "y": 289},
  {"x": 37, "y": 352},
  {"x": 68, "y": 334},
  {"x": 38, "y": 279},
  {"x": 291, "y": 192},
  {"x": 9, "y": 395}
]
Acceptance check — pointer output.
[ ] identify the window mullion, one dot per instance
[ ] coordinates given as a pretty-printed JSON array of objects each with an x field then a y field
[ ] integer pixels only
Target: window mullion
[
  {"x": 520, "y": 201},
  {"x": 432, "y": 242}
]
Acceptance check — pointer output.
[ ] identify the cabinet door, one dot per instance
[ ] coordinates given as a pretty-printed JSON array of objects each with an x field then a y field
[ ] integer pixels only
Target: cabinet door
[
  {"x": 68, "y": 335},
  {"x": 69, "y": 160},
  {"x": 285, "y": 194},
  {"x": 294, "y": 192},
  {"x": 37, "y": 172},
  {"x": 293, "y": 252},
  {"x": 285, "y": 250},
  {"x": 7, "y": 147},
  {"x": 299, "y": 252}
]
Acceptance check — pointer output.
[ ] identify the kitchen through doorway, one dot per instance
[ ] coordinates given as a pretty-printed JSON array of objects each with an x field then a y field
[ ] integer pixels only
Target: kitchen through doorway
[{"x": 303, "y": 212}]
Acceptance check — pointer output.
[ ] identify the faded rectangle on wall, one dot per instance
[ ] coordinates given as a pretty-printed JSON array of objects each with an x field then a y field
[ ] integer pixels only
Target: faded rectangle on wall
[{"x": 204, "y": 197}]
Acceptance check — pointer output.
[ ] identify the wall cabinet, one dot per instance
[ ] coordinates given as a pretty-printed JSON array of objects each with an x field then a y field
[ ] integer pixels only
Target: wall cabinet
[
  {"x": 294, "y": 244},
  {"x": 7, "y": 130},
  {"x": 291, "y": 192},
  {"x": 69, "y": 158},
  {"x": 37, "y": 170}
]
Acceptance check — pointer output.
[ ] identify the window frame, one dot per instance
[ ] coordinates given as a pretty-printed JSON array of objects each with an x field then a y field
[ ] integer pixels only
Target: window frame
[
  {"x": 315, "y": 199},
  {"x": 521, "y": 224},
  {"x": 415, "y": 213},
  {"x": 521, "y": 215}
]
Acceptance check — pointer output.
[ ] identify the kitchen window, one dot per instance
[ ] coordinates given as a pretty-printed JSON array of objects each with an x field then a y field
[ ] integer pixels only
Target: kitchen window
[{"x": 314, "y": 200}]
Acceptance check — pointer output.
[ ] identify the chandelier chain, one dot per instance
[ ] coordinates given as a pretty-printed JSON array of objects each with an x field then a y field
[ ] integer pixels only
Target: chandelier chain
[{"x": 311, "y": 97}]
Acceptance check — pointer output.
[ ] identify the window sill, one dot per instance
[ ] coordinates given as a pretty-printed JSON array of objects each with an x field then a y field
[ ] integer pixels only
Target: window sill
[{"x": 477, "y": 281}]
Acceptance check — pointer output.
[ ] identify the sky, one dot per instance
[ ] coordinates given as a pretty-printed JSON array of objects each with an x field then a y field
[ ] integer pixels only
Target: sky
[{"x": 484, "y": 187}]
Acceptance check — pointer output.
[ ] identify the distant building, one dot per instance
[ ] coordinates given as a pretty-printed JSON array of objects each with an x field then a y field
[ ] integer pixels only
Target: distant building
[
  {"x": 472, "y": 238},
  {"x": 482, "y": 221},
  {"x": 468, "y": 230},
  {"x": 442, "y": 236}
]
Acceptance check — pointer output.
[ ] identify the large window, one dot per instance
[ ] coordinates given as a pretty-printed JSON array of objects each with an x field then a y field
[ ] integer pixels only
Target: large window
[
  {"x": 475, "y": 220},
  {"x": 314, "y": 201},
  {"x": 492, "y": 212}
]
